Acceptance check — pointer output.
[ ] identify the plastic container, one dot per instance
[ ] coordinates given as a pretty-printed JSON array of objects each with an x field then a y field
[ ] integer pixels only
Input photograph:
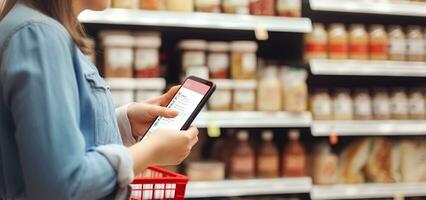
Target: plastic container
[
  {"x": 295, "y": 89},
  {"x": 289, "y": 8},
  {"x": 358, "y": 42},
  {"x": 244, "y": 60},
  {"x": 147, "y": 88},
  {"x": 397, "y": 43},
  {"x": 262, "y": 7},
  {"x": 269, "y": 92},
  {"x": 205, "y": 171},
  {"x": 268, "y": 157},
  {"x": 221, "y": 99},
  {"x": 343, "y": 105},
  {"x": 193, "y": 53},
  {"x": 362, "y": 105},
  {"x": 180, "y": 5},
  {"x": 326, "y": 165},
  {"x": 218, "y": 60},
  {"x": 147, "y": 55},
  {"x": 158, "y": 183},
  {"x": 399, "y": 104},
  {"x": 381, "y": 104},
  {"x": 415, "y": 43},
  {"x": 118, "y": 53},
  {"x": 416, "y": 104},
  {"x": 378, "y": 47},
  {"x": 122, "y": 90},
  {"x": 207, "y": 6},
  {"x": 338, "y": 42},
  {"x": 244, "y": 97},
  {"x": 316, "y": 43},
  {"x": 127, "y": 4},
  {"x": 242, "y": 161},
  {"x": 321, "y": 105},
  {"x": 236, "y": 6},
  {"x": 152, "y": 4}
]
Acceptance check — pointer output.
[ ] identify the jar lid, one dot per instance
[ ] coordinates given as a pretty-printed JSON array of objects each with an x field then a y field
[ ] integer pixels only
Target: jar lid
[
  {"x": 121, "y": 83},
  {"x": 148, "y": 39},
  {"x": 243, "y": 135},
  {"x": 193, "y": 44},
  {"x": 294, "y": 134},
  {"x": 245, "y": 84},
  {"x": 117, "y": 38},
  {"x": 267, "y": 135},
  {"x": 150, "y": 83},
  {"x": 223, "y": 84},
  {"x": 244, "y": 46},
  {"x": 218, "y": 46}
]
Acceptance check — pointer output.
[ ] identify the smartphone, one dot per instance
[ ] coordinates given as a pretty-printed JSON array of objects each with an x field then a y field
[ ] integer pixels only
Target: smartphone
[{"x": 188, "y": 101}]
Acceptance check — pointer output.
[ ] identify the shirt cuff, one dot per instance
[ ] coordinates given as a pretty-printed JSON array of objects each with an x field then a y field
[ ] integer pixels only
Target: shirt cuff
[{"x": 124, "y": 125}]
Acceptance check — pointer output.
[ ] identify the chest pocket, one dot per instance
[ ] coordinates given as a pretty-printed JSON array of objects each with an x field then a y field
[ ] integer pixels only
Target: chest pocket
[{"x": 104, "y": 112}]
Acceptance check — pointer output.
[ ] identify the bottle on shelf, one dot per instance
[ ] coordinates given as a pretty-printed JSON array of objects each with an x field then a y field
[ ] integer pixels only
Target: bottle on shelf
[
  {"x": 152, "y": 4},
  {"x": 416, "y": 104},
  {"x": 337, "y": 42},
  {"x": 362, "y": 104},
  {"x": 416, "y": 47},
  {"x": 147, "y": 54},
  {"x": 262, "y": 7},
  {"x": 295, "y": 89},
  {"x": 242, "y": 161},
  {"x": 244, "y": 60},
  {"x": 236, "y": 6},
  {"x": 378, "y": 47},
  {"x": 180, "y": 5},
  {"x": 399, "y": 104},
  {"x": 218, "y": 60},
  {"x": 326, "y": 165},
  {"x": 381, "y": 104},
  {"x": 294, "y": 156},
  {"x": 342, "y": 105},
  {"x": 289, "y": 8},
  {"x": 269, "y": 96},
  {"x": 212, "y": 6},
  {"x": 316, "y": 43},
  {"x": 397, "y": 43},
  {"x": 358, "y": 42},
  {"x": 321, "y": 105},
  {"x": 268, "y": 157}
]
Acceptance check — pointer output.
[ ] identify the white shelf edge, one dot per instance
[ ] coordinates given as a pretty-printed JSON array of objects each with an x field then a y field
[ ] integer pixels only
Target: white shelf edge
[
  {"x": 370, "y": 190},
  {"x": 369, "y": 128},
  {"x": 229, "y": 188},
  {"x": 196, "y": 20},
  {"x": 399, "y": 8},
  {"x": 368, "y": 68}
]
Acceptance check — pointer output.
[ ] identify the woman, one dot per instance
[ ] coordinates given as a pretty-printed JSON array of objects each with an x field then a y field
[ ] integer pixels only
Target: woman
[{"x": 59, "y": 133}]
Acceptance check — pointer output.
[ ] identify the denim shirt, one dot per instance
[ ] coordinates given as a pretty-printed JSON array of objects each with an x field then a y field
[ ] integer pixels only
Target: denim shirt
[{"x": 59, "y": 137}]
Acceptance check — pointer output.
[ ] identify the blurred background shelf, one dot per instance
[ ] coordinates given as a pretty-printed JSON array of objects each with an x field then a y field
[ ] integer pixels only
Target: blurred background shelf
[
  {"x": 402, "y": 8},
  {"x": 197, "y": 20},
  {"x": 229, "y": 188},
  {"x": 236, "y": 119},
  {"x": 368, "y": 191},
  {"x": 368, "y": 68},
  {"x": 369, "y": 128}
]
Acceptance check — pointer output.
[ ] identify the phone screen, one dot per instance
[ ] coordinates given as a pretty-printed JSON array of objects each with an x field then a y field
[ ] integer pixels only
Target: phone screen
[{"x": 186, "y": 100}]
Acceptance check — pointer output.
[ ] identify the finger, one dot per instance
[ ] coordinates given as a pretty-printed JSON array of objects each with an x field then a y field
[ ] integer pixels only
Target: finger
[
  {"x": 168, "y": 96},
  {"x": 193, "y": 141},
  {"x": 155, "y": 111}
]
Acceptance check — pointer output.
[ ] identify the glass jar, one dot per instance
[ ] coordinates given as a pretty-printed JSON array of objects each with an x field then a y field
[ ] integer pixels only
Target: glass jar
[
  {"x": 126, "y": 4},
  {"x": 244, "y": 97},
  {"x": 416, "y": 104},
  {"x": 218, "y": 60},
  {"x": 180, "y": 5},
  {"x": 381, "y": 104},
  {"x": 269, "y": 96},
  {"x": 221, "y": 99},
  {"x": 289, "y": 8},
  {"x": 262, "y": 7},
  {"x": 212, "y": 6},
  {"x": 378, "y": 47},
  {"x": 338, "y": 41},
  {"x": 415, "y": 47},
  {"x": 362, "y": 105},
  {"x": 236, "y": 6},
  {"x": 316, "y": 43},
  {"x": 399, "y": 104},
  {"x": 118, "y": 53},
  {"x": 147, "y": 55},
  {"x": 242, "y": 159},
  {"x": 122, "y": 90},
  {"x": 342, "y": 105},
  {"x": 152, "y": 4},
  {"x": 244, "y": 60},
  {"x": 358, "y": 42},
  {"x": 147, "y": 88},
  {"x": 321, "y": 105},
  {"x": 193, "y": 53},
  {"x": 397, "y": 43},
  {"x": 206, "y": 171},
  {"x": 295, "y": 89}
]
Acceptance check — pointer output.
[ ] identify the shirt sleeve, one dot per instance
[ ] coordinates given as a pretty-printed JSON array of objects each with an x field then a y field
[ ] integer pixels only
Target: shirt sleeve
[
  {"x": 40, "y": 90},
  {"x": 124, "y": 125}
]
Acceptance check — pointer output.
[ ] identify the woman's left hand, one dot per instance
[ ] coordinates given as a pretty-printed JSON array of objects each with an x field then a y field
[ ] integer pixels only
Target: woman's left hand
[{"x": 141, "y": 115}]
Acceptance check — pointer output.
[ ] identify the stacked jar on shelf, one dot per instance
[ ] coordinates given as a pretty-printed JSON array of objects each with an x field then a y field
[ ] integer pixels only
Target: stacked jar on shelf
[{"x": 359, "y": 44}]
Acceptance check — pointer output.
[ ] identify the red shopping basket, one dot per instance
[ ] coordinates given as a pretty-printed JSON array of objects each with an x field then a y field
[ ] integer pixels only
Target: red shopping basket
[{"x": 158, "y": 183}]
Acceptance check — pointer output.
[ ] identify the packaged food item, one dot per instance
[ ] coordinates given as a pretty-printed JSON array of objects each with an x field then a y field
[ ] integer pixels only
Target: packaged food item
[
  {"x": 321, "y": 105},
  {"x": 362, "y": 104},
  {"x": 199, "y": 71},
  {"x": 342, "y": 105},
  {"x": 147, "y": 55},
  {"x": 383, "y": 162},
  {"x": 416, "y": 104},
  {"x": 218, "y": 60},
  {"x": 399, "y": 104},
  {"x": 180, "y": 5},
  {"x": 236, "y": 6},
  {"x": 242, "y": 162},
  {"x": 413, "y": 160},
  {"x": 381, "y": 104},
  {"x": 147, "y": 88},
  {"x": 397, "y": 43},
  {"x": 118, "y": 53},
  {"x": 415, "y": 43},
  {"x": 269, "y": 97},
  {"x": 268, "y": 157},
  {"x": 244, "y": 98},
  {"x": 127, "y": 4},
  {"x": 353, "y": 159},
  {"x": 244, "y": 60},
  {"x": 316, "y": 43},
  {"x": 221, "y": 99},
  {"x": 294, "y": 156},
  {"x": 337, "y": 42},
  {"x": 378, "y": 47},
  {"x": 262, "y": 7},
  {"x": 295, "y": 89},
  {"x": 325, "y": 170},
  {"x": 205, "y": 171},
  {"x": 193, "y": 53},
  {"x": 122, "y": 90},
  {"x": 212, "y": 6},
  {"x": 289, "y": 8},
  {"x": 152, "y": 4},
  {"x": 358, "y": 42}
]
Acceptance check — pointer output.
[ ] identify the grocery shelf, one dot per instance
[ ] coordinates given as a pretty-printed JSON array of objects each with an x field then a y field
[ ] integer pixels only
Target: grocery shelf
[
  {"x": 368, "y": 68},
  {"x": 196, "y": 20},
  {"x": 370, "y": 127},
  {"x": 394, "y": 7},
  {"x": 368, "y": 191},
  {"x": 229, "y": 188},
  {"x": 234, "y": 119}
]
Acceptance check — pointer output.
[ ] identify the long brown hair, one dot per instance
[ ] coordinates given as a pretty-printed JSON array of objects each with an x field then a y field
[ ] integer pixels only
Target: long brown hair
[{"x": 61, "y": 10}]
